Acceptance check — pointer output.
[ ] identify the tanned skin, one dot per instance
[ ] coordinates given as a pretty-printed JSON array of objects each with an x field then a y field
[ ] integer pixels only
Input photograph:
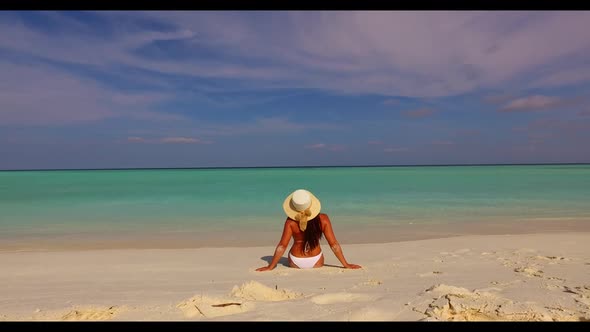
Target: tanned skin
[{"x": 291, "y": 229}]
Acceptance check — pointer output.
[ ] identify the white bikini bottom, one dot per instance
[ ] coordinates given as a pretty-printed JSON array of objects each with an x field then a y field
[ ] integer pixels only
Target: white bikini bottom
[{"x": 305, "y": 262}]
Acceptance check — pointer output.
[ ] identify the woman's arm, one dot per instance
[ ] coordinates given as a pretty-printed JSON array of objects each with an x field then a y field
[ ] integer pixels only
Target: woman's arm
[
  {"x": 334, "y": 245},
  {"x": 281, "y": 247}
]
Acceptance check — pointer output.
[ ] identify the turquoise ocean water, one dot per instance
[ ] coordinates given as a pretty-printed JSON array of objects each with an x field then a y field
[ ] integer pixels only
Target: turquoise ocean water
[{"x": 65, "y": 204}]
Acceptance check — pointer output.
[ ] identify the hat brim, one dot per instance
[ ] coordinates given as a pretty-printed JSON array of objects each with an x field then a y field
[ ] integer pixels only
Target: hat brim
[{"x": 315, "y": 207}]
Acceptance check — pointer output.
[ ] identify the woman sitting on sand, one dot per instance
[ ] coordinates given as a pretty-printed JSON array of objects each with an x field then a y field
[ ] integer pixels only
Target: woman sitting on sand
[{"x": 306, "y": 224}]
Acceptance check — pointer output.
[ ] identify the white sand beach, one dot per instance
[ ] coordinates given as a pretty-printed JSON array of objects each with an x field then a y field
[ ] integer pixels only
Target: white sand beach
[{"x": 524, "y": 277}]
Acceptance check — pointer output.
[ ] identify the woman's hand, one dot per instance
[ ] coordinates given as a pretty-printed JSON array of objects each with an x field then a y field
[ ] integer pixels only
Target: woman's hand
[
  {"x": 264, "y": 268},
  {"x": 352, "y": 266}
]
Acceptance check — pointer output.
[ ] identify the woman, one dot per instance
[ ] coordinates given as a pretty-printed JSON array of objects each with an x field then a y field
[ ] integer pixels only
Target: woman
[{"x": 307, "y": 225}]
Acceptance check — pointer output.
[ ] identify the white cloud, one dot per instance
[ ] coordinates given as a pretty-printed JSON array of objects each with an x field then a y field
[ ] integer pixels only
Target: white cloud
[
  {"x": 316, "y": 146},
  {"x": 329, "y": 147},
  {"x": 535, "y": 102},
  {"x": 182, "y": 140}
]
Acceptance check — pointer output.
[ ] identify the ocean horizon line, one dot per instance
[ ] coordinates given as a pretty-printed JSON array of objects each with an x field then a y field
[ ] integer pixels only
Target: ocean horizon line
[{"x": 286, "y": 167}]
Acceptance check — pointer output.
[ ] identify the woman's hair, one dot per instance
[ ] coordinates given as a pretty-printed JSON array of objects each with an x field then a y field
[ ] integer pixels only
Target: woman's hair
[{"x": 313, "y": 233}]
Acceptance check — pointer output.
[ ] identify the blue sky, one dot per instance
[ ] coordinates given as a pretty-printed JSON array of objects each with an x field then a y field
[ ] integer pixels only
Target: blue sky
[{"x": 115, "y": 89}]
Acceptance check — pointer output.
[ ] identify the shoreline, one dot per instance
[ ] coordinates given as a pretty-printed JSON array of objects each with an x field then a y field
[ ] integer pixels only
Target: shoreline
[
  {"x": 245, "y": 238},
  {"x": 471, "y": 277}
]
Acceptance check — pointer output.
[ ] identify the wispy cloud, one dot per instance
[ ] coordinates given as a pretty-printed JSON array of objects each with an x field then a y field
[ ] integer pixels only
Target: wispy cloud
[
  {"x": 329, "y": 147},
  {"x": 41, "y": 95},
  {"x": 168, "y": 140},
  {"x": 259, "y": 127},
  {"x": 531, "y": 103},
  {"x": 444, "y": 53},
  {"x": 33, "y": 95},
  {"x": 265, "y": 126},
  {"x": 183, "y": 140},
  {"x": 375, "y": 142},
  {"x": 316, "y": 146},
  {"x": 419, "y": 113},
  {"x": 564, "y": 77}
]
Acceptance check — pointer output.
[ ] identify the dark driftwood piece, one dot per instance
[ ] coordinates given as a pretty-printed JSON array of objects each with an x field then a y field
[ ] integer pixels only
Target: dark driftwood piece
[{"x": 225, "y": 304}]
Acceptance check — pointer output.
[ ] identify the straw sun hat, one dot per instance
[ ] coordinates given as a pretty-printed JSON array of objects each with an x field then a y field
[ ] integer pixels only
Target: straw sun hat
[{"x": 301, "y": 205}]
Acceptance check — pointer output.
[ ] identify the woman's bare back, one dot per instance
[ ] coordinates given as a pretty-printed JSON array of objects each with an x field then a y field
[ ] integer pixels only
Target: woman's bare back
[{"x": 298, "y": 247}]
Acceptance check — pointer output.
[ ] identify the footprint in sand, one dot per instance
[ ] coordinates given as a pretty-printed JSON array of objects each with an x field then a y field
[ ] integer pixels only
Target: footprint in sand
[
  {"x": 552, "y": 287},
  {"x": 506, "y": 262},
  {"x": 372, "y": 282},
  {"x": 332, "y": 298},
  {"x": 551, "y": 259},
  {"x": 92, "y": 313},
  {"x": 256, "y": 291},
  {"x": 209, "y": 307},
  {"x": 556, "y": 279},
  {"x": 566, "y": 314},
  {"x": 429, "y": 274},
  {"x": 529, "y": 271},
  {"x": 582, "y": 292},
  {"x": 508, "y": 283},
  {"x": 532, "y": 271}
]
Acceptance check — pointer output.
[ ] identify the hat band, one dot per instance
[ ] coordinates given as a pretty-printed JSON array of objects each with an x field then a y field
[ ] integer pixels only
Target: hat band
[{"x": 302, "y": 217}]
